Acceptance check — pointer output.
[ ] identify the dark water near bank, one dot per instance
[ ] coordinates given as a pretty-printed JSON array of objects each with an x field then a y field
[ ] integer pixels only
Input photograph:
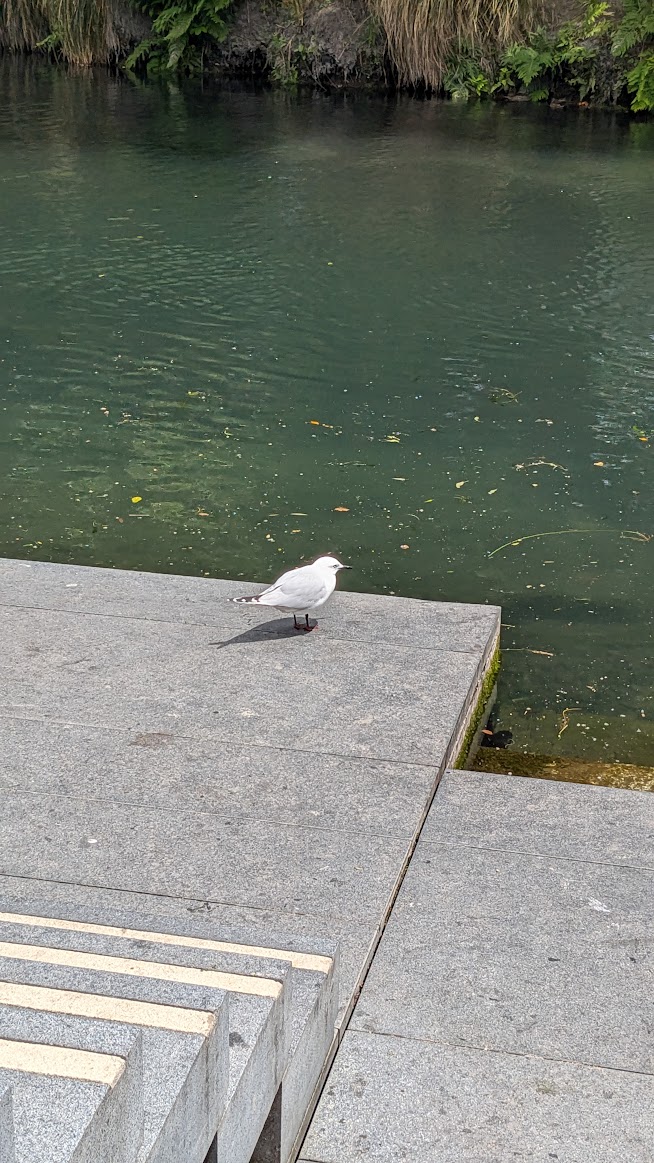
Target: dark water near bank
[{"x": 461, "y": 297}]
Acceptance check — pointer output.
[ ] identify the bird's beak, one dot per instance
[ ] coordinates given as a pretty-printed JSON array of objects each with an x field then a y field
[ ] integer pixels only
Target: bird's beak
[{"x": 345, "y": 567}]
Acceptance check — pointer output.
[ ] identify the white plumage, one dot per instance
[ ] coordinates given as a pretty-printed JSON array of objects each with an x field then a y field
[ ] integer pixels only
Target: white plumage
[{"x": 300, "y": 590}]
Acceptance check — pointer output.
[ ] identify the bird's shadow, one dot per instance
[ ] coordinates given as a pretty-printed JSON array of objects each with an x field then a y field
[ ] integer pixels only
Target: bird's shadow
[{"x": 278, "y": 628}]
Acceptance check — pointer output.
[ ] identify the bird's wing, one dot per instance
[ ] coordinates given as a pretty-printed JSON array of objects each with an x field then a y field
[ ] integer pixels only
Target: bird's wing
[
  {"x": 298, "y": 589},
  {"x": 267, "y": 597}
]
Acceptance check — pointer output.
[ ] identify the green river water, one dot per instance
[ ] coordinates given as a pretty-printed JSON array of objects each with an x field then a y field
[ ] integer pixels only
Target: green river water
[{"x": 405, "y": 332}]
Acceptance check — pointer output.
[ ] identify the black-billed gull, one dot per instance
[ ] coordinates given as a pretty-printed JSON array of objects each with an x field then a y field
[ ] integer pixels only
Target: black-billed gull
[{"x": 300, "y": 590}]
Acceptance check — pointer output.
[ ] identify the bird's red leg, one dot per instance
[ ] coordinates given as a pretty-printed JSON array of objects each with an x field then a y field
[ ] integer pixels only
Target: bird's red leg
[{"x": 308, "y": 625}]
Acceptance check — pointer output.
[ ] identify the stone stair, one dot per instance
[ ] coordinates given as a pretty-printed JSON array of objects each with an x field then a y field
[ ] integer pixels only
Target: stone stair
[{"x": 122, "y": 1043}]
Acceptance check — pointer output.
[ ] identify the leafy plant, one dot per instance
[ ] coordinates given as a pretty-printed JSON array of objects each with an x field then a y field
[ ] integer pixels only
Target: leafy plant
[
  {"x": 640, "y": 82},
  {"x": 182, "y": 31},
  {"x": 572, "y": 55},
  {"x": 465, "y": 78},
  {"x": 634, "y": 38}
]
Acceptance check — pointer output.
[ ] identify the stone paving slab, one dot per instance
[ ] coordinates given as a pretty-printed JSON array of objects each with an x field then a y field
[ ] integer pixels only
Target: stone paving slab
[
  {"x": 172, "y": 772},
  {"x": 247, "y": 863},
  {"x": 578, "y": 821},
  {"x": 305, "y": 692},
  {"x": 524, "y": 954},
  {"x": 123, "y": 593},
  {"x": 506, "y": 980},
  {"x": 389, "y": 1099}
]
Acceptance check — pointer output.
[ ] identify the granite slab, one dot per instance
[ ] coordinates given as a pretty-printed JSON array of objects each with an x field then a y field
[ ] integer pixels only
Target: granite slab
[
  {"x": 309, "y": 1003},
  {"x": 256, "y": 1032},
  {"x": 167, "y": 597},
  {"x": 390, "y": 1099},
  {"x": 304, "y": 693},
  {"x": 73, "y": 1120},
  {"x": 231, "y": 861},
  {"x": 173, "y": 772},
  {"x": 574, "y": 821},
  {"x": 521, "y": 954},
  {"x": 182, "y": 1078},
  {"x": 114, "y": 1038},
  {"x": 6, "y": 1124}
]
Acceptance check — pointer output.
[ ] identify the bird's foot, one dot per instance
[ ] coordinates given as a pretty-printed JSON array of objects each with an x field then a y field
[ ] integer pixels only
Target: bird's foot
[{"x": 307, "y": 627}]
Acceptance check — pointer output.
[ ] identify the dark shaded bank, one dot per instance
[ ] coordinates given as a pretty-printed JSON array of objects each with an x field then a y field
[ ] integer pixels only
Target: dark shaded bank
[{"x": 565, "y": 52}]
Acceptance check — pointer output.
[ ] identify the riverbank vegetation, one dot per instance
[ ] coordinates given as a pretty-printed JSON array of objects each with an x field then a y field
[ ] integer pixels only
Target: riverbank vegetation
[{"x": 591, "y": 52}]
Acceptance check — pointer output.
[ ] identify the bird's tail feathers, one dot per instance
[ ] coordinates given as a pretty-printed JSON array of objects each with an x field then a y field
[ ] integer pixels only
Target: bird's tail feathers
[{"x": 251, "y": 598}]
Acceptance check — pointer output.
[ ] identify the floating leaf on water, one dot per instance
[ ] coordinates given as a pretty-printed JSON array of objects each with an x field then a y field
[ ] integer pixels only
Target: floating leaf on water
[
  {"x": 341, "y": 509},
  {"x": 135, "y": 500},
  {"x": 299, "y": 514},
  {"x": 598, "y": 463},
  {"x": 392, "y": 439},
  {"x": 399, "y": 478},
  {"x": 315, "y": 422},
  {"x": 491, "y": 491},
  {"x": 460, "y": 484},
  {"x": 404, "y": 546},
  {"x": 296, "y": 530}
]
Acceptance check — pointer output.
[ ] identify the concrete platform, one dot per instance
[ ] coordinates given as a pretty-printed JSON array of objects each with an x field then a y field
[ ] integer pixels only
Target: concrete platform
[
  {"x": 509, "y": 1010},
  {"x": 177, "y": 766}
]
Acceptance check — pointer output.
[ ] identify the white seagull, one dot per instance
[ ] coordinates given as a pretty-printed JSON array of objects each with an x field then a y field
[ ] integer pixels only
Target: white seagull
[{"x": 300, "y": 590}]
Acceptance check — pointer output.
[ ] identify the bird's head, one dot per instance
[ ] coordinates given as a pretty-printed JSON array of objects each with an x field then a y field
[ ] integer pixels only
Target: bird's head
[{"x": 331, "y": 563}]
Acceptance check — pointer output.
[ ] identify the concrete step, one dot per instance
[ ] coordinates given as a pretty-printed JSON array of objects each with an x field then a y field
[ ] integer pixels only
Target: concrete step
[
  {"x": 182, "y": 1072},
  {"x": 69, "y": 1105},
  {"x": 282, "y": 1006},
  {"x": 7, "y": 1154}
]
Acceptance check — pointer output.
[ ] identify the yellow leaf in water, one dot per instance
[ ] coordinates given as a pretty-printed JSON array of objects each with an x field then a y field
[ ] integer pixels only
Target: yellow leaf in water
[
  {"x": 399, "y": 478},
  {"x": 491, "y": 491},
  {"x": 460, "y": 484},
  {"x": 392, "y": 439},
  {"x": 296, "y": 530},
  {"x": 315, "y": 422},
  {"x": 341, "y": 509},
  {"x": 404, "y": 546},
  {"x": 135, "y": 500},
  {"x": 299, "y": 514},
  {"x": 598, "y": 463}
]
